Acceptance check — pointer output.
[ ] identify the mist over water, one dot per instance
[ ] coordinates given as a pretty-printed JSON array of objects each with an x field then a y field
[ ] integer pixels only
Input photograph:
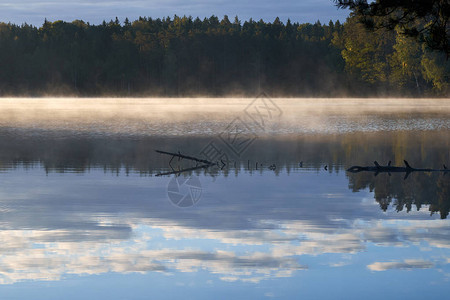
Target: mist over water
[
  {"x": 81, "y": 205},
  {"x": 209, "y": 116}
]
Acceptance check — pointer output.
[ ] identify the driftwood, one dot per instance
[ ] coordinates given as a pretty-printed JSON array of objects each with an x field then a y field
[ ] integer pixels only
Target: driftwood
[
  {"x": 183, "y": 170},
  {"x": 179, "y": 155},
  {"x": 377, "y": 168},
  {"x": 206, "y": 163}
]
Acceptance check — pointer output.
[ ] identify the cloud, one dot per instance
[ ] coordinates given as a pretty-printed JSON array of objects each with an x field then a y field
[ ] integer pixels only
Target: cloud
[
  {"x": 46, "y": 236},
  {"x": 22, "y": 260},
  {"x": 339, "y": 264},
  {"x": 436, "y": 234},
  {"x": 383, "y": 236},
  {"x": 407, "y": 264},
  {"x": 50, "y": 254}
]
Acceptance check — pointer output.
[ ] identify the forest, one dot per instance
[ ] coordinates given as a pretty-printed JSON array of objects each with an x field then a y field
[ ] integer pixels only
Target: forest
[{"x": 186, "y": 57}]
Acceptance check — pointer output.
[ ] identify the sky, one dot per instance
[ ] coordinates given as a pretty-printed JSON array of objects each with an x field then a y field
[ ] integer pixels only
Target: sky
[{"x": 34, "y": 12}]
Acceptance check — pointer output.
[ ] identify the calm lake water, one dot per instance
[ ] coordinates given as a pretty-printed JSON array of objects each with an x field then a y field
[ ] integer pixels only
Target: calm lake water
[{"x": 87, "y": 212}]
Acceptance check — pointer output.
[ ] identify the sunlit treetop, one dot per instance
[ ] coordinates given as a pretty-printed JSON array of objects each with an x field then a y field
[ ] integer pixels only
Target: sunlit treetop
[{"x": 426, "y": 20}]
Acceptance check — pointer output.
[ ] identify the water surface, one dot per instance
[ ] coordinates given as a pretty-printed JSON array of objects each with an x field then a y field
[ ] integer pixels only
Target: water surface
[{"x": 84, "y": 213}]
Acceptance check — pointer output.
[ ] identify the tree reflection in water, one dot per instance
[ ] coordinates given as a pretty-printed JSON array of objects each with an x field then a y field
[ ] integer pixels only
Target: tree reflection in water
[{"x": 63, "y": 152}]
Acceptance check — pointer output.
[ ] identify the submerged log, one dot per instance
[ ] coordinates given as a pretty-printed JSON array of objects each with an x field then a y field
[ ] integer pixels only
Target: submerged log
[
  {"x": 206, "y": 163},
  {"x": 377, "y": 168},
  {"x": 179, "y": 155},
  {"x": 183, "y": 170}
]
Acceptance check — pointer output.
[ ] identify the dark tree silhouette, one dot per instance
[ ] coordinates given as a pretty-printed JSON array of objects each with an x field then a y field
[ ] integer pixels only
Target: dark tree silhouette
[{"x": 426, "y": 20}]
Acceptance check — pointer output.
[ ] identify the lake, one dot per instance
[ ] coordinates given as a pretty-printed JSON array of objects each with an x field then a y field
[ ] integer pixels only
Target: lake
[{"x": 89, "y": 209}]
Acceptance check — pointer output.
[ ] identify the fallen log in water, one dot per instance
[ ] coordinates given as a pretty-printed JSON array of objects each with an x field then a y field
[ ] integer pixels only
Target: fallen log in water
[
  {"x": 206, "y": 163},
  {"x": 183, "y": 170},
  {"x": 179, "y": 155},
  {"x": 377, "y": 168}
]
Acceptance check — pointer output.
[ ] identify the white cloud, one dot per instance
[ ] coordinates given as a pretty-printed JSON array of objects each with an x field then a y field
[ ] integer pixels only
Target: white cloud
[
  {"x": 339, "y": 264},
  {"x": 407, "y": 264},
  {"x": 21, "y": 260}
]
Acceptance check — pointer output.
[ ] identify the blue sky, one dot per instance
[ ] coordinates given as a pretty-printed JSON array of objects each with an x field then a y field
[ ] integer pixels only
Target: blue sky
[{"x": 34, "y": 12}]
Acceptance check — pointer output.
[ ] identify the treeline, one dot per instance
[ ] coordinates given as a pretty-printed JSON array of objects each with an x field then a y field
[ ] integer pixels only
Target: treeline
[{"x": 182, "y": 56}]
